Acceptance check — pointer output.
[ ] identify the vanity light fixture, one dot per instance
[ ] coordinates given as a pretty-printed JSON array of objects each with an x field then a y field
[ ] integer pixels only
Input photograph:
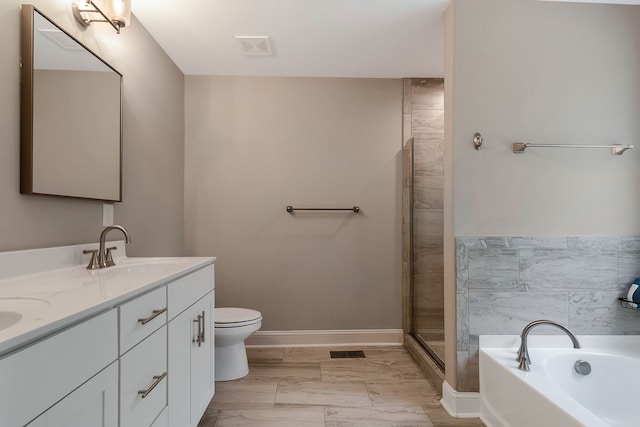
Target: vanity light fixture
[{"x": 116, "y": 12}]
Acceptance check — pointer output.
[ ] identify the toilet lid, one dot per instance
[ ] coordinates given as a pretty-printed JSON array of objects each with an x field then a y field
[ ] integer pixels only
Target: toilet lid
[{"x": 227, "y": 315}]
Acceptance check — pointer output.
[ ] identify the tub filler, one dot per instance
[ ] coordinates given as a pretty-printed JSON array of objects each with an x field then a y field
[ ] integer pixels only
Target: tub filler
[{"x": 554, "y": 393}]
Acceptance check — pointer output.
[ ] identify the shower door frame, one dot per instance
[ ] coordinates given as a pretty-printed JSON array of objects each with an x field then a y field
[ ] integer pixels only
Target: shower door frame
[{"x": 434, "y": 356}]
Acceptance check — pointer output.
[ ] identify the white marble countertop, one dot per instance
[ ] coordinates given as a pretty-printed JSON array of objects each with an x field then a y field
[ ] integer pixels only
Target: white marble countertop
[{"x": 58, "y": 295}]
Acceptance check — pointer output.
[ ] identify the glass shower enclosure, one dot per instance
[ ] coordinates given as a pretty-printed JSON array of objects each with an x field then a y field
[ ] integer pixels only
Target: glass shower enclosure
[{"x": 426, "y": 198}]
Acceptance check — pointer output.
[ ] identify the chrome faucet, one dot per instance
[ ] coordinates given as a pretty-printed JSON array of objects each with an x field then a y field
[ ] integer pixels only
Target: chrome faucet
[
  {"x": 523, "y": 353},
  {"x": 102, "y": 258},
  {"x": 104, "y": 255}
]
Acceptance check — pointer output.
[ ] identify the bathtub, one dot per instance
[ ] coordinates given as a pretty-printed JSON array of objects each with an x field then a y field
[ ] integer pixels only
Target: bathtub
[{"x": 552, "y": 394}]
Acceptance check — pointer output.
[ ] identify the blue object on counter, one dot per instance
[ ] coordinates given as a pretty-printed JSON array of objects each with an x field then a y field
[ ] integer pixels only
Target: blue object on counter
[{"x": 634, "y": 291}]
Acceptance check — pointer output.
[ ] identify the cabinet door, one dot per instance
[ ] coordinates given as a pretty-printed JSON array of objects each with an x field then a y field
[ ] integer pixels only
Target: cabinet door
[
  {"x": 33, "y": 379},
  {"x": 201, "y": 355},
  {"x": 190, "y": 383},
  {"x": 95, "y": 404}
]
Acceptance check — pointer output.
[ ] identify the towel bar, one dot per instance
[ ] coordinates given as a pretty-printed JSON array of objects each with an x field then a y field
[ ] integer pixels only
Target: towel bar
[
  {"x": 354, "y": 209},
  {"x": 618, "y": 150}
]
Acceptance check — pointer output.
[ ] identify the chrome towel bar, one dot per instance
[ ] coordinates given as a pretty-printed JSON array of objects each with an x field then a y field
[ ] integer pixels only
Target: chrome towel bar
[
  {"x": 354, "y": 209},
  {"x": 616, "y": 149}
]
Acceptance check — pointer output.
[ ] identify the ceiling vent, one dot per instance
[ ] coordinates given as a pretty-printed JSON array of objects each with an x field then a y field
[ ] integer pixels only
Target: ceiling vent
[{"x": 255, "y": 45}]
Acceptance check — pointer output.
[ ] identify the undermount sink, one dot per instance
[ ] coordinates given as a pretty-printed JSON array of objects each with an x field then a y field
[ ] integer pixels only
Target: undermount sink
[
  {"x": 145, "y": 265},
  {"x": 12, "y": 309},
  {"x": 8, "y": 319}
]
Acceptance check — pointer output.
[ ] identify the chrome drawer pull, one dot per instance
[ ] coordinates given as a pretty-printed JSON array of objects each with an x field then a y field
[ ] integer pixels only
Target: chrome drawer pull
[
  {"x": 203, "y": 326},
  {"x": 154, "y": 314},
  {"x": 157, "y": 379},
  {"x": 198, "y": 337}
]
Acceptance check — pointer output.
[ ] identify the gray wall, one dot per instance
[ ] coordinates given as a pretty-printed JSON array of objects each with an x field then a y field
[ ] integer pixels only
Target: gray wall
[
  {"x": 153, "y": 175},
  {"x": 255, "y": 145},
  {"x": 540, "y": 72},
  {"x": 545, "y": 72}
]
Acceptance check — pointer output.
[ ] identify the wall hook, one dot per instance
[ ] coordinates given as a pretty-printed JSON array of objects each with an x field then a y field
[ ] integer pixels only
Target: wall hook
[{"x": 477, "y": 140}]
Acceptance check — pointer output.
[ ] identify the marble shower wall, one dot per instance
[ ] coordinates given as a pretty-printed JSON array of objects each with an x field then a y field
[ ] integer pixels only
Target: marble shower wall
[{"x": 503, "y": 283}]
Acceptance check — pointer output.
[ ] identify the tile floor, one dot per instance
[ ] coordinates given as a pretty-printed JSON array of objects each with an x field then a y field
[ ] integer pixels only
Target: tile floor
[{"x": 304, "y": 387}]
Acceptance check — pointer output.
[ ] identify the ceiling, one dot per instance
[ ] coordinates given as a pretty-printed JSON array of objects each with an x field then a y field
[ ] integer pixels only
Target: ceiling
[
  {"x": 312, "y": 38},
  {"x": 321, "y": 38}
]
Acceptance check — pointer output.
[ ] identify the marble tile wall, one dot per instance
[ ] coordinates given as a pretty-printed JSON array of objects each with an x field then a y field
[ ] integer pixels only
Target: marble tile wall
[{"x": 503, "y": 283}]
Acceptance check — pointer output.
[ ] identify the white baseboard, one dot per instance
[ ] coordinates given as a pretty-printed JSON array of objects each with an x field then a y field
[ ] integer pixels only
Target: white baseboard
[
  {"x": 360, "y": 337},
  {"x": 460, "y": 404}
]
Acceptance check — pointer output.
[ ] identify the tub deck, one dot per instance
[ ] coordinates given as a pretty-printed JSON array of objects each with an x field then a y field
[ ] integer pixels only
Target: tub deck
[{"x": 552, "y": 393}]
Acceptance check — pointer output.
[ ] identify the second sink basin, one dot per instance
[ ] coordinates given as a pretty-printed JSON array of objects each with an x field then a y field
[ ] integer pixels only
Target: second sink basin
[
  {"x": 12, "y": 309},
  {"x": 8, "y": 319}
]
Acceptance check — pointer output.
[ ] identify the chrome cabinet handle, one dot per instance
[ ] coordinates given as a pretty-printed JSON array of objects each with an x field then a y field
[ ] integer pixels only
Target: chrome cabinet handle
[
  {"x": 198, "y": 337},
  {"x": 203, "y": 326},
  {"x": 157, "y": 379},
  {"x": 154, "y": 314}
]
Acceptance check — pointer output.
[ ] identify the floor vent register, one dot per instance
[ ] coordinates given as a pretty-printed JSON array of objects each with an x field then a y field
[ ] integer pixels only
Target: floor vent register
[{"x": 349, "y": 354}]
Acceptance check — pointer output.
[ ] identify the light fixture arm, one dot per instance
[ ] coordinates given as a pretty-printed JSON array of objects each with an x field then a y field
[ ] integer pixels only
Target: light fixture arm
[{"x": 77, "y": 12}]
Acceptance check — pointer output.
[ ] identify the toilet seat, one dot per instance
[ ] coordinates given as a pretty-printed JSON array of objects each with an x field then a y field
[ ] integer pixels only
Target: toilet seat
[{"x": 230, "y": 317}]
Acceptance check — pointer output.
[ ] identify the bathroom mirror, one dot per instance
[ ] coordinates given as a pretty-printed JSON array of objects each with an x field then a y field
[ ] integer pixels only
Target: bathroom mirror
[{"x": 71, "y": 115}]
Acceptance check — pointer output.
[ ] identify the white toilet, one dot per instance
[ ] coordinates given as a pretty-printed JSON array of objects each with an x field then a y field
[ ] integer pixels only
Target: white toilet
[{"x": 232, "y": 327}]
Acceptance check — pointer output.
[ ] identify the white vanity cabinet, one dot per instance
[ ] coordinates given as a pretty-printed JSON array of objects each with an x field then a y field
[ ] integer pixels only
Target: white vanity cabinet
[
  {"x": 142, "y": 359},
  {"x": 191, "y": 347},
  {"x": 50, "y": 371}
]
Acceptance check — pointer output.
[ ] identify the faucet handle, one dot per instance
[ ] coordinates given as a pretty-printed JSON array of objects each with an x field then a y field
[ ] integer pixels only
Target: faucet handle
[
  {"x": 93, "y": 264},
  {"x": 108, "y": 257}
]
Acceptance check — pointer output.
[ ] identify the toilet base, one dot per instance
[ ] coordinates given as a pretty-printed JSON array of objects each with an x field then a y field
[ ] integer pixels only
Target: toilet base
[{"x": 231, "y": 362}]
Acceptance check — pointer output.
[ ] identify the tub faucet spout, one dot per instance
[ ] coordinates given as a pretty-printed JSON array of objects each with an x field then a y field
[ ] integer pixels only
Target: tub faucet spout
[{"x": 523, "y": 353}]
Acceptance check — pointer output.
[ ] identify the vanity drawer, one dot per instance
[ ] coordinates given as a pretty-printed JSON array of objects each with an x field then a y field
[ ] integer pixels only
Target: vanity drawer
[
  {"x": 144, "y": 369},
  {"x": 184, "y": 291},
  {"x": 141, "y": 317}
]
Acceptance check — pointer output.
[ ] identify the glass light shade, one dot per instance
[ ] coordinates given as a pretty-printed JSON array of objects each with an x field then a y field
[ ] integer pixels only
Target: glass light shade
[{"x": 119, "y": 11}]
